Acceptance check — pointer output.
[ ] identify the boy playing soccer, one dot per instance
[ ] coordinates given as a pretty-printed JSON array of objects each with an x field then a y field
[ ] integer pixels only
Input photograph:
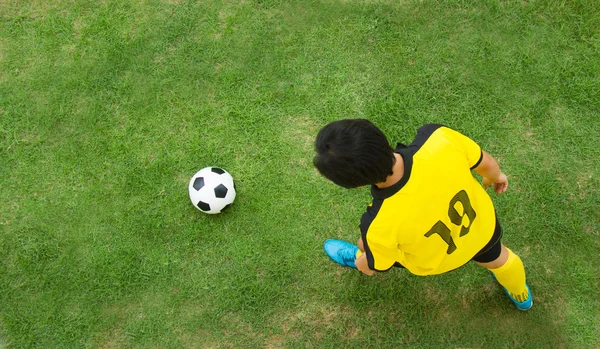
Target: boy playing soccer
[{"x": 429, "y": 214}]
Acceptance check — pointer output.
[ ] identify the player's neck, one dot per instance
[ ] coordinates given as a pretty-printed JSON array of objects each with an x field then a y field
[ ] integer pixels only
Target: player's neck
[{"x": 397, "y": 173}]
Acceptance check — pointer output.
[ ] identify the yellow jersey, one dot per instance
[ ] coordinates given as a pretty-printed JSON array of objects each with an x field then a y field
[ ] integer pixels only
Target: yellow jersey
[{"x": 438, "y": 216}]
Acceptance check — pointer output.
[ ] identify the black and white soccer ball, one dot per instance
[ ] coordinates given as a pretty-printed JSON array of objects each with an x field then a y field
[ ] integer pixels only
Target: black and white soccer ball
[{"x": 212, "y": 190}]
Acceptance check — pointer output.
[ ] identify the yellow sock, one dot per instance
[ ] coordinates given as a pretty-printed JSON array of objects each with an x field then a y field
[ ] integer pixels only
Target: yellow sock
[
  {"x": 512, "y": 276},
  {"x": 358, "y": 253}
]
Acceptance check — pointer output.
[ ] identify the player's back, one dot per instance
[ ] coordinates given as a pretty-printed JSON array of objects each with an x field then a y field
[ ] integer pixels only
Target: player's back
[{"x": 438, "y": 216}]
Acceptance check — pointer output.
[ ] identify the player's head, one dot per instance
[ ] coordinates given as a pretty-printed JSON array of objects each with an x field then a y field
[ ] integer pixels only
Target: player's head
[{"x": 352, "y": 153}]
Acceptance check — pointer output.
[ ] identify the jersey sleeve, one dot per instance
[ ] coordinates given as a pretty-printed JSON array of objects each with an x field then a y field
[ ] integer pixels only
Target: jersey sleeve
[
  {"x": 472, "y": 150},
  {"x": 381, "y": 255}
]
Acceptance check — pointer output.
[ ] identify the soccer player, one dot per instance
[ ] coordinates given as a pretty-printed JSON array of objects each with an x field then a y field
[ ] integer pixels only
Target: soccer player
[{"x": 429, "y": 214}]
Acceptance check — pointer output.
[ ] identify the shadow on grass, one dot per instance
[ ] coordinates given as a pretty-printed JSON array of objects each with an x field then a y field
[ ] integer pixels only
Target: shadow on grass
[{"x": 401, "y": 308}]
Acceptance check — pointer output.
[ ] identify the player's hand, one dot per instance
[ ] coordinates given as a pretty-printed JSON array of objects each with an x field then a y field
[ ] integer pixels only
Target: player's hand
[
  {"x": 500, "y": 184},
  {"x": 363, "y": 265}
]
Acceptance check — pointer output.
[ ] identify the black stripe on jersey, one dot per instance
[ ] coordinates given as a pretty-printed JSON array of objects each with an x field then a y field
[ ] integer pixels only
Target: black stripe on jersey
[
  {"x": 478, "y": 161},
  {"x": 365, "y": 221},
  {"x": 423, "y": 135}
]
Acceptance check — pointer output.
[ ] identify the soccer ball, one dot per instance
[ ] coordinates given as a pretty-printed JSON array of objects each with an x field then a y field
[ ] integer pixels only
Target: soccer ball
[{"x": 212, "y": 190}]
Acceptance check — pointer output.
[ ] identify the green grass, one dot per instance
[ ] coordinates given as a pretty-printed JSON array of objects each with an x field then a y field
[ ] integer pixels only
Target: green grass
[{"x": 107, "y": 108}]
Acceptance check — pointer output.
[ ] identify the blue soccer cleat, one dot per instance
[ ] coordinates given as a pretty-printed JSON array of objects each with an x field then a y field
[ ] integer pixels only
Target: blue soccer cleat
[
  {"x": 526, "y": 304},
  {"x": 341, "y": 252}
]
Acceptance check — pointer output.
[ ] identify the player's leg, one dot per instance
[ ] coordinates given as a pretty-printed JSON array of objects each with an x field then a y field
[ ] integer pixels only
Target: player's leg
[
  {"x": 509, "y": 271},
  {"x": 361, "y": 246}
]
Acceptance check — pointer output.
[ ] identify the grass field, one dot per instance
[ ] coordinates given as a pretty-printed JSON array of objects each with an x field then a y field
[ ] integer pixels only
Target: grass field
[{"x": 107, "y": 108}]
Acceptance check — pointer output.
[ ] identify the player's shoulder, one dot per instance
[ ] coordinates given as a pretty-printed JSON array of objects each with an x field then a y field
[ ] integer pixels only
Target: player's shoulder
[
  {"x": 424, "y": 133},
  {"x": 428, "y": 129}
]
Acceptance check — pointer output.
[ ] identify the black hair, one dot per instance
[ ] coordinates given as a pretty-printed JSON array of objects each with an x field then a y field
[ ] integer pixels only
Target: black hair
[{"x": 353, "y": 152}]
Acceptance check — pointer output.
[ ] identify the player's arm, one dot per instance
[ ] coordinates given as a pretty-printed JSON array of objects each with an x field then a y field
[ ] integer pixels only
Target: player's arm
[
  {"x": 363, "y": 265},
  {"x": 361, "y": 262},
  {"x": 480, "y": 161},
  {"x": 492, "y": 175}
]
